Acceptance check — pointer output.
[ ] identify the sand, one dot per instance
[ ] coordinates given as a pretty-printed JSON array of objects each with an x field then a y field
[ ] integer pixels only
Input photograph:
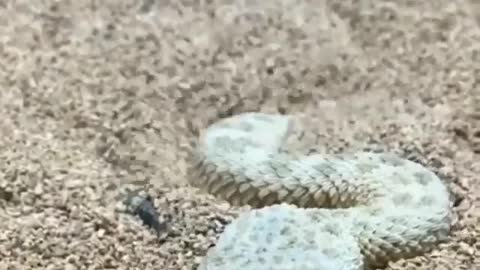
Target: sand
[{"x": 101, "y": 96}]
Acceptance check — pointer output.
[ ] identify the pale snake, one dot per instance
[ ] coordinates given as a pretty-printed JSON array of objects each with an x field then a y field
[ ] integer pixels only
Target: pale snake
[{"x": 324, "y": 212}]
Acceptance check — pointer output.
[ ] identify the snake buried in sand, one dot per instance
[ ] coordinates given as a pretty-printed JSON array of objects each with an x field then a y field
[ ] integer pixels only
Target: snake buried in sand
[{"x": 314, "y": 212}]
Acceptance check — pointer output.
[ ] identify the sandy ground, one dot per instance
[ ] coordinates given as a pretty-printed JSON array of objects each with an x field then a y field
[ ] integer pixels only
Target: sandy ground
[{"x": 100, "y": 96}]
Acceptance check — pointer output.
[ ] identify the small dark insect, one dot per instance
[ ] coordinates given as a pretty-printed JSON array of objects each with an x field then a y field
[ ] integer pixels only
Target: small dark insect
[{"x": 142, "y": 206}]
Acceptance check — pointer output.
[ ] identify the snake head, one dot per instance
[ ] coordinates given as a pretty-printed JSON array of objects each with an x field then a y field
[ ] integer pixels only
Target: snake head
[{"x": 266, "y": 130}]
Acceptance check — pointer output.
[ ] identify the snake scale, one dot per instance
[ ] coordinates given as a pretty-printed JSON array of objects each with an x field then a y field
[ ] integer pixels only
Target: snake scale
[{"x": 314, "y": 212}]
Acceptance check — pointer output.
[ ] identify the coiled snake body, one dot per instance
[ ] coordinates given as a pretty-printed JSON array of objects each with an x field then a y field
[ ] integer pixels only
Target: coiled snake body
[{"x": 323, "y": 212}]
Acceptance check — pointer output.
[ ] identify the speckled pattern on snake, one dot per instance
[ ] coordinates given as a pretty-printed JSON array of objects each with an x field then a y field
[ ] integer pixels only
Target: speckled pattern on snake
[{"x": 324, "y": 212}]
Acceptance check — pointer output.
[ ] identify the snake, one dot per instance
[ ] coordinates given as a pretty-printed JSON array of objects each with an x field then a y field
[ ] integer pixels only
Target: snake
[{"x": 316, "y": 211}]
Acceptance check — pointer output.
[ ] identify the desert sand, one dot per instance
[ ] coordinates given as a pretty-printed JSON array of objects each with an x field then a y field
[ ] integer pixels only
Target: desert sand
[{"x": 98, "y": 97}]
